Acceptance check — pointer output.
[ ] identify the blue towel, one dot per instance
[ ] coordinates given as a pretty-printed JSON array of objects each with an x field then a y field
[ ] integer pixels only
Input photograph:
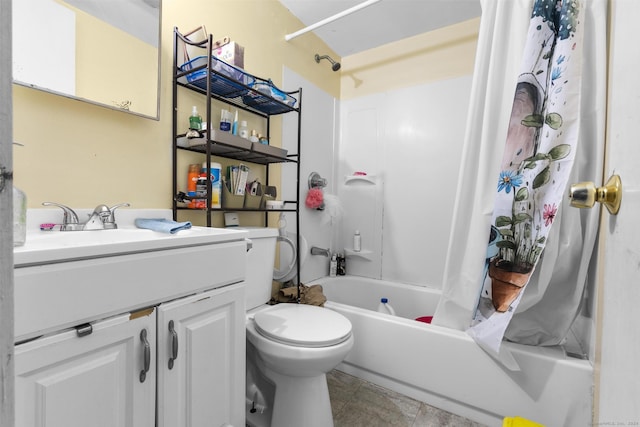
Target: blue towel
[{"x": 162, "y": 225}]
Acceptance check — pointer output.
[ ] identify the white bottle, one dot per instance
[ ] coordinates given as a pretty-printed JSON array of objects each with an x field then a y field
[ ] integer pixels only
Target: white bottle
[
  {"x": 19, "y": 217},
  {"x": 333, "y": 266},
  {"x": 244, "y": 132},
  {"x": 356, "y": 241},
  {"x": 254, "y": 136},
  {"x": 385, "y": 307}
]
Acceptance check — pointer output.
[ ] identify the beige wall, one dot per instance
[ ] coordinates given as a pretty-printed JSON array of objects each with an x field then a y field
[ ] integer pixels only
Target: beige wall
[
  {"x": 136, "y": 62},
  {"x": 81, "y": 155},
  {"x": 441, "y": 54}
]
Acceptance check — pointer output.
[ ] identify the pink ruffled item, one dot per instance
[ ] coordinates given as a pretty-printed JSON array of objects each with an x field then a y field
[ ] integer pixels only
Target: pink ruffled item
[{"x": 315, "y": 198}]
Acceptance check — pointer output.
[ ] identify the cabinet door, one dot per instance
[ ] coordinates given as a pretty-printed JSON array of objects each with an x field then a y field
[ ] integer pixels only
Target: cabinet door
[
  {"x": 65, "y": 380},
  {"x": 201, "y": 360}
]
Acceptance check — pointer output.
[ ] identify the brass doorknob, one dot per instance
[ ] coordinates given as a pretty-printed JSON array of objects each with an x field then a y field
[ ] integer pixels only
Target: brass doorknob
[{"x": 586, "y": 194}]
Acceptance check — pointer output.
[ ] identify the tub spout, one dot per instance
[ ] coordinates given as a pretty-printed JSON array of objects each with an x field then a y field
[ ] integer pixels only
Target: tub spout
[{"x": 320, "y": 251}]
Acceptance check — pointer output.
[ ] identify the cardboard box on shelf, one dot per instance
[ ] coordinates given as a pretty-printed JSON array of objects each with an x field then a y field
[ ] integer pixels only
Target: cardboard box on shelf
[{"x": 231, "y": 53}]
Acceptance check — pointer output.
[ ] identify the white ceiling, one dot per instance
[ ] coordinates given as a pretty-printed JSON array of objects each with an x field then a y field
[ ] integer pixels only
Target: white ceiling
[{"x": 381, "y": 23}]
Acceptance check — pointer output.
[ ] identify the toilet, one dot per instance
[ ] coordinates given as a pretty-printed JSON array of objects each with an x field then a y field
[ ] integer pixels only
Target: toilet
[{"x": 290, "y": 348}]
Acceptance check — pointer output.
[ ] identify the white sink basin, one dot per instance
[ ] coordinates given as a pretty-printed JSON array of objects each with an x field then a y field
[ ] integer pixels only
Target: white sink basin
[{"x": 45, "y": 247}]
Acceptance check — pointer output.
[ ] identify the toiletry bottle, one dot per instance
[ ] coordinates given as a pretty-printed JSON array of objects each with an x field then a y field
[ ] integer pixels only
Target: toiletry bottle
[
  {"x": 234, "y": 128},
  {"x": 225, "y": 122},
  {"x": 356, "y": 241},
  {"x": 19, "y": 217},
  {"x": 254, "y": 136},
  {"x": 385, "y": 307},
  {"x": 201, "y": 191},
  {"x": 195, "y": 121},
  {"x": 263, "y": 139},
  {"x": 333, "y": 266},
  {"x": 192, "y": 180},
  {"x": 216, "y": 185},
  {"x": 342, "y": 265},
  {"x": 244, "y": 132}
]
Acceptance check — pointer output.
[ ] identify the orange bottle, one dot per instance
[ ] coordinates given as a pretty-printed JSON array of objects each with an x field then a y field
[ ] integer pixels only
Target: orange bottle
[{"x": 192, "y": 179}]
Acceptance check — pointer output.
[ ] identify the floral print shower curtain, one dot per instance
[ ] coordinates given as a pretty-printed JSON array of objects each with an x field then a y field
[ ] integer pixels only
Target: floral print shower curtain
[{"x": 540, "y": 148}]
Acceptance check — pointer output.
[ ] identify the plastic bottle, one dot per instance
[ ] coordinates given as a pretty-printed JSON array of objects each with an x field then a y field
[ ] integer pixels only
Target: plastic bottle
[
  {"x": 192, "y": 177},
  {"x": 333, "y": 266},
  {"x": 357, "y": 244},
  {"x": 225, "y": 121},
  {"x": 234, "y": 128},
  {"x": 192, "y": 181},
  {"x": 195, "y": 121},
  {"x": 244, "y": 131},
  {"x": 19, "y": 217},
  {"x": 254, "y": 136},
  {"x": 385, "y": 307},
  {"x": 342, "y": 265},
  {"x": 201, "y": 191},
  {"x": 216, "y": 185}
]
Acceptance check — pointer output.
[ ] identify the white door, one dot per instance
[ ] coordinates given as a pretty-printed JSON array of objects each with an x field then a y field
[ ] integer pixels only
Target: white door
[
  {"x": 618, "y": 383},
  {"x": 201, "y": 360},
  {"x": 65, "y": 380}
]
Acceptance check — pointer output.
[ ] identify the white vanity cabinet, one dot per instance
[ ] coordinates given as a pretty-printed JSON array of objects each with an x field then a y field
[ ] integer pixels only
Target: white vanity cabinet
[
  {"x": 65, "y": 380},
  {"x": 201, "y": 359},
  {"x": 94, "y": 342}
]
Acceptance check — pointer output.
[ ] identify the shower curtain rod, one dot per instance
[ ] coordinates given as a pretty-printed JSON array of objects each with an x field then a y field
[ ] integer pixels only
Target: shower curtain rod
[{"x": 330, "y": 19}]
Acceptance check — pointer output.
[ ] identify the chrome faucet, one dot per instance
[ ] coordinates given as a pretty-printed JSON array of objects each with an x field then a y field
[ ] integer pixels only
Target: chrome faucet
[
  {"x": 110, "y": 220},
  {"x": 97, "y": 218},
  {"x": 319, "y": 251},
  {"x": 70, "y": 220},
  {"x": 102, "y": 218}
]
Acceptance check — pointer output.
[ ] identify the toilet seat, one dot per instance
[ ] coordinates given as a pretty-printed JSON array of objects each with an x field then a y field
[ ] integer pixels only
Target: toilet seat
[{"x": 302, "y": 325}]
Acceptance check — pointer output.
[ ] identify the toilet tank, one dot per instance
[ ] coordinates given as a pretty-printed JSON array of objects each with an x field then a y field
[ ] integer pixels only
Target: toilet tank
[{"x": 260, "y": 259}]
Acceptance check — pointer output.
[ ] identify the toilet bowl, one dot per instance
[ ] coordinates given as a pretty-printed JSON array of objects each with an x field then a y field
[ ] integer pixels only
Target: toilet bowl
[
  {"x": 295, "y": 352},
  {"x": 290, "y": 348}
]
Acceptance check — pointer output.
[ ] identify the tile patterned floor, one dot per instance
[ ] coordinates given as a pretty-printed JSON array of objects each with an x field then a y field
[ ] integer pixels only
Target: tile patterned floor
[{"x": 358, "y": 403}]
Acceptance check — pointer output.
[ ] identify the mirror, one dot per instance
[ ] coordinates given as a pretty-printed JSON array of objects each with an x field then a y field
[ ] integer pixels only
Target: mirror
[{"x": 105, "y": 52}]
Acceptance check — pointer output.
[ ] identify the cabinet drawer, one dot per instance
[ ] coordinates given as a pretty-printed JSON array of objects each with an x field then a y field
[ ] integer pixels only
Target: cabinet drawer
[{"x": 56, "y": 296}]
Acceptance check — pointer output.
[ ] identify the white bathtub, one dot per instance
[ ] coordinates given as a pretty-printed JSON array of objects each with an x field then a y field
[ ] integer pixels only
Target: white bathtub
[{"x": 446, "y": 369}]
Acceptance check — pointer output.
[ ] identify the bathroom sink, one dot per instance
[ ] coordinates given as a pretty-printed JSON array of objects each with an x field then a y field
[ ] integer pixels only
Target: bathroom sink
[{"x": 46, "y": 247}]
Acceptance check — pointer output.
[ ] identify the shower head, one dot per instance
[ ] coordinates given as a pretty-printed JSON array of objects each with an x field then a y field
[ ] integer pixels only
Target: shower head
[{"x": 335, "y": 66}]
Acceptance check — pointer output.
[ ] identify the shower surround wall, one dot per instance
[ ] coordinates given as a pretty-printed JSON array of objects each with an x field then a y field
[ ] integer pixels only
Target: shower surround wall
[
  {"x": 319, "y": 132},
  {"x": 411, "y": 140}
]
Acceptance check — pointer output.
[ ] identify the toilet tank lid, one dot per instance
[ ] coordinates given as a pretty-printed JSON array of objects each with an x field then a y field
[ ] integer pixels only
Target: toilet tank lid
[{"x": 259, "y": 232}]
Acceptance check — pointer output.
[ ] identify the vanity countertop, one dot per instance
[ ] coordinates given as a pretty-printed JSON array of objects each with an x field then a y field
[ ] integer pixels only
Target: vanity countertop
[{"x": 46, "y": 247}]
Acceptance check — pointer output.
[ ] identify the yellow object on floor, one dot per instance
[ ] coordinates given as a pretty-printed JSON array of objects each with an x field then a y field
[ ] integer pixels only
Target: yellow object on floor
[{"x": 519, "y": 422}]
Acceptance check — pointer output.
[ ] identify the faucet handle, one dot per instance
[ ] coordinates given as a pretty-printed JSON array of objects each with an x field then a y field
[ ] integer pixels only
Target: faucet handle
[
  {"x": 119, "y": 205},
  {"x": 68, "y": 217},
  {"x": 110, "y": 221}
]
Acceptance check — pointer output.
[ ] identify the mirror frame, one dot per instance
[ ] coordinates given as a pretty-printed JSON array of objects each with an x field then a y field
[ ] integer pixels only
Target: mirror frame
[{"x": 109, "y": 106}]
